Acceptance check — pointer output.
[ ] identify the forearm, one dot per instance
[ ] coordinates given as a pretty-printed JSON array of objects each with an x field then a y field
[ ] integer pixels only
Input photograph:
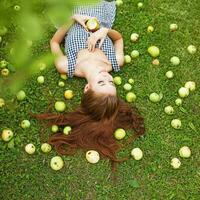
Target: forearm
[
  {"x": 119, "y": 51},
  {"x": 55, "y": 49}
]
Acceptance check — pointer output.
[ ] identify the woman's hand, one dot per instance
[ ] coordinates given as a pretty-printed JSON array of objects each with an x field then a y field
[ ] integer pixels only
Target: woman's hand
[
  {"x": 81, "y": 19},
  {"x": 94, "y": 37}
]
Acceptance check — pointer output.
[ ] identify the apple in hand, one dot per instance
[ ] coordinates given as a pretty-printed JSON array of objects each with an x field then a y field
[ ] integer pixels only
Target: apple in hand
[
  {"x": 185, "y": 152},
  {"x": 46, "y": 148},
  {"x": 120, "y": 133},
  {"x": 7, "y": 135},
  {"x": 92, "y": 24},
  {"x": 56, "y": 163},
  {"x": 92, "y": 156},
  {"x": 137, "y": 153},
  {"x": 30, "y": 148}
]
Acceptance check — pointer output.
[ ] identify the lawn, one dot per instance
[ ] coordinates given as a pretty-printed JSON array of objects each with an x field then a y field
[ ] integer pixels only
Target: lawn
[{"x": 30, "y": 177}]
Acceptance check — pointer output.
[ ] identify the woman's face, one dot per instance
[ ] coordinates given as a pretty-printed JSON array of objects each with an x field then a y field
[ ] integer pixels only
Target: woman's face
[{"x": 102, "y": 82}]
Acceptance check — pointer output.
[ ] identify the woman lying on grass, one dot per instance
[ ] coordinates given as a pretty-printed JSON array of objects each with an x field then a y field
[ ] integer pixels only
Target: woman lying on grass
[{"x": 93, "y": 56}]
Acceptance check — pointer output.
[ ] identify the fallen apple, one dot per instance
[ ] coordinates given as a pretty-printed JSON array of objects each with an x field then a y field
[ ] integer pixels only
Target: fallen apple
[
  {"x": 127, "y": 59},
  {"x": 3, "y": 30},
  {"x": 169, "y": 110},
  {"x": 46, "y": 148},
  {"x": 190, "y": 85},
  {"x": 63, "y": 76},
  {"x": 175, "y": 60},
  {"x": 40, "y": 79},
  {"x": 92, "y": 156},
  {"x": 140, "y": 5},
  {"x": 3, "y": 64},
  {"x": 150, "y": 29},
  {"x": 67, "y": 130},
  {"x": 176, "y": 123},
  {"x": 54, "y": 128},
  {"x": 29, "y": 43},
  {"x": 117, "y": 80},
  {"x": 175, "y": 163},
  {"x": 25, "y": 124},
  {"x": 30, "y": 148},
  {"x": 5, "y": 72},
  {"x": 155, "y": 97},
  {"x": 178, "y": 102},
  {"x": 56, "y": 163},
  {"x": 183, "y": 92},
  {"x": 17, "y": 7},
  {"x": 127, "y": 86},
  {"x": 68, "y": 94},
  {"x": 134, "y": 37},
  {"x": 21, "y": 95},
  {"x": 2, "y": 102},
  {"x": 61, "y": 84},
  {"x": 0, "y": 39},
  {"x": 120, "y": 133},
  {"x": 192, "y": 49},
  {"x": 130, "y": 97},
  {"x": 155, "y": 62},
  {"x": 42, "y": 66},
  {"x": 119, "y": 2},
  {"x": 7, "y": 135},
  {"x": 135, "y": 54},
  {"x": 169, "y": 74},
  {"x": 137, "y": 153},
  {"x": 185, "y": 152},
  {"x": 173, "y": 27},
  {"x": 154, "y": 51},
  {"x": 60, "y": 106},
  {"x": 131, "y": 81},
  {"x": 92, "y": 24}
]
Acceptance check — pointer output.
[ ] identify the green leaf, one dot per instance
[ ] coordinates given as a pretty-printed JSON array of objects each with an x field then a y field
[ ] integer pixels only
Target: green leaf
[
  {"x": 11, "y": 144},
  {"x": 183, "y": 110},
  {"x": 191, "y": 125}
]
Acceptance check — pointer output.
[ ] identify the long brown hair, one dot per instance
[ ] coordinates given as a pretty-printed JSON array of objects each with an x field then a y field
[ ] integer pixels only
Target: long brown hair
[{"x": 93, "y": 124}]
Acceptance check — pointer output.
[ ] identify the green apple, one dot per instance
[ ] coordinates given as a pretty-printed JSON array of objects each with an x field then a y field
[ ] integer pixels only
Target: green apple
[
  {"x": 137, "y": 153},
  {"x": 67, "y": 130},
  {"x": 150, "y": 29},
  {"x": 131, "y": 81},
  {"x": 178, "y": 102},
  {"x": 30, "y": 148},
  {"x": 5, "y": 72},
  {"x": 176, "y": 123},
  {"x": 134, "y": 37},
  {"x": 68, "y": 94},
  {"x": 29, "y": 43},
  {"x": 127, "y": 86},
  {"x": 60, "y": 106},
  {"x": 25, "y": 124},
  {"x": 17, "y": 7},
  {"x": 155, "y": 97},
  {"x": 175, "y": 60},
  {"x": 21, "y": 95},
  {"x": 175, "y": 163},
  {"x": 127, "y": 59},
  {"x": 119, "y": 2},
  {"x": 155, "y": 62},
  {"x": 117, "y": 80},
  {"x": 130, "y": 97},
  {"x": 192, "y": 49},
  {"x": 7, "y": 135},
  {"x": 92, "y": 156},
  {"x": 57, "y": 163},
  {"x": 173, "y": 27},
  {"x": 154, "y": 51},
  {"x": 3, "y": 64},
  {"x": 63, "y": 76},
  {"x": 185, "y": 152},
  {"x": 120, "y": 133},
  {"x": 0, "y": 39},
  {"x": 42, "y": 66},
  {"x": 46, "y": 148},
  {"x": 183, "y": 92},
  {"x": 135, "y": 54},
  {"x": 190, "y": 85},
  {"x": 3, "y": 30},
  {"x": 169, "y": 74},
  {"x": 61, "y": 84},
  {"x": 40, "y": 79},
  {"x": 2, "y": 102},
  {"x": 54, "y": 128},
  {"x": 92, "y": 24},
  {"x": 169, "y": 110},
  {"x": 140, "y": 5}
]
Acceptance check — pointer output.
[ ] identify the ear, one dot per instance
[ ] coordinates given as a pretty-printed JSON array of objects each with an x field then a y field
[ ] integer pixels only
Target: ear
[{"x": 86, "y": 88}]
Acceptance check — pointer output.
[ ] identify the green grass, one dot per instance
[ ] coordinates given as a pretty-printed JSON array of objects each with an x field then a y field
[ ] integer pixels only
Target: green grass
[{"x": 30, "y": 176}]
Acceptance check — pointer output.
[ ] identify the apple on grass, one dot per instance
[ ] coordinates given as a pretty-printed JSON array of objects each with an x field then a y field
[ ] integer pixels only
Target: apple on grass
[
  {"x": 63, "y": 76},
  {"x": 120, "y": 133},
  {"x": 175, "y": 60},
  {"x": 127, "y": 59},
  {"x": 150, "y": 29},
  {"x": 67, "y": 130},
  {"x": 169, "y": 110},
  {"x": 92, "y": 24},
  {"x": 155, "y": 97},
  {"x": 192, "y": 49},
  {"x": 191, "y": 85},
  {"x": 56, "y": 163},
  {"x": 119, "y": 2},
  {"x": 17, "y": 7},
  {"x": 2, "y": 102},
  {"x": 7, "y": 135},
  {"x": 176, "y": 123},
  {"x": 135, "y": 54},
  {"x": 169, "y": 74},
  {"x": 68, "y": 94},
  {"x": 175, "y": 163},
  {"x": 131, "y": 81},
  {"x": 127, "y": 86},
  {"x": 40, "y": 79},
  {"x": 155, "y": 62},
  {"x": 30, "y": 148},
  {"x": 42, "y": 66},
  {"x": 61, "y": 84},
  {"x": 185, "y": 152},
  {"x": 21, "y": 95},
  {"x": 173, "y": 27},
  {"x": 5, "y": 72},
  {"x": 137, "y": 153},
  {"x": 117, "y": 80},
  {"x": 130, "y": 97},
  {"x": 140, "y": 5},
  {"x": 60, "y": 106},
  {"x": 134, "y": 37},
  {"x": 25, "y": 124},
  {"x": 154, "y": 51},
  {"x": 183, "y": 92},
  {"x": 3, "y": 64},
  {"x": 3, "y": 30},
  {"x": 54, "y": 128},
  {"x": 46, "y": 148},
  {"x": 178, "y": 102},
  {"x": 92, "y": 156}
]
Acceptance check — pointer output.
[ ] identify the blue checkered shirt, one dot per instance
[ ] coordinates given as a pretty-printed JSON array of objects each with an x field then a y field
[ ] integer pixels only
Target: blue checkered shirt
[{"x": 76, "y": 37}]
